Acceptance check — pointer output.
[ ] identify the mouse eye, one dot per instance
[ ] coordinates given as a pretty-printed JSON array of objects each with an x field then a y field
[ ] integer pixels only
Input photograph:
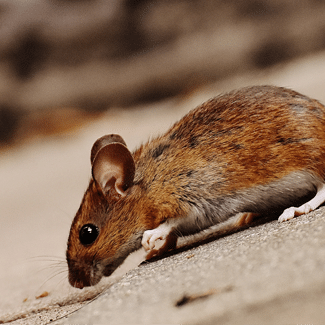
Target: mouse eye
[{"x": 88, "y": 234}]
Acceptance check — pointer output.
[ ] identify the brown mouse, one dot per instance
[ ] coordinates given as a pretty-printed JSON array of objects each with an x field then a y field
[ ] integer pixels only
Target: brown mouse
[{"x": 248, "y": 152}]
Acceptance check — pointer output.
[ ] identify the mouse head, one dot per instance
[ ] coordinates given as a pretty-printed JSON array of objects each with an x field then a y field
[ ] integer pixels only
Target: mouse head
[{"x": 104, "y": 230}]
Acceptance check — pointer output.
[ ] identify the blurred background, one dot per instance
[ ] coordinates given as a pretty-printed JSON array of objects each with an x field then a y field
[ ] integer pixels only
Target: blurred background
[
  {"x": 71, "y": 58},
  {"x": 73, "y": 70}
]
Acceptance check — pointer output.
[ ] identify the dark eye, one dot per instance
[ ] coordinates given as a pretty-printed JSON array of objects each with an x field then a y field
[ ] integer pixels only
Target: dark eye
[{"x": 88, "y": 234}]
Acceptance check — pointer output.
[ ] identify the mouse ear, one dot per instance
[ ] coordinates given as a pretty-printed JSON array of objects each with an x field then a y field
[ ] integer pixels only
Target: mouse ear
[
  {"x": 102, "y": 142},
  {"x": 113, "y": 167}
]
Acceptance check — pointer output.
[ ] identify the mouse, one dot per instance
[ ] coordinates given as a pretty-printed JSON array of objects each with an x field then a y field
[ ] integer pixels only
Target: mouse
[{"x": 241, "y": 154}]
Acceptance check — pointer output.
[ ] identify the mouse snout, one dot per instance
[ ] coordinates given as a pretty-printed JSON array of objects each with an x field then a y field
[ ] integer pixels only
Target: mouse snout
[{"x": 81, "y": 275}]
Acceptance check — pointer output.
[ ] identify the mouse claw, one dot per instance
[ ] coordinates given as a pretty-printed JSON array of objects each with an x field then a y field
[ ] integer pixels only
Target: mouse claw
[
  {"x": 307, "y": 207},
  {"x": 150, "y": 237},
  {"x": 165, "y": 234},
  {"x": 292, "y": 212}
]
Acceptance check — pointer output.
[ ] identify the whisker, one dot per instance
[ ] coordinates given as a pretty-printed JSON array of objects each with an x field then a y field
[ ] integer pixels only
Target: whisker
[
  {"x": 50, "y": 267},
  {"x": 46, "y": 256},
  {"x": 63, "y": 278},
  {"x": 56, "y": 274},
  {"x": 46, "y": 259}
]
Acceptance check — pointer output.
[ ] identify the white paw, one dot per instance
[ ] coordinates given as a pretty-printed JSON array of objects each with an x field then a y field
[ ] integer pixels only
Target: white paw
[
  {"x": 151, "y": 237},
  {"x": 293, "y": 212}
]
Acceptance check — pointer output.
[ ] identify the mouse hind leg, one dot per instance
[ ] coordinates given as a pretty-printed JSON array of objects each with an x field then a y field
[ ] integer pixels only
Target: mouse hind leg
[
  {"x": 243, "y": 219},
  {"x": 309, "y": 206}
]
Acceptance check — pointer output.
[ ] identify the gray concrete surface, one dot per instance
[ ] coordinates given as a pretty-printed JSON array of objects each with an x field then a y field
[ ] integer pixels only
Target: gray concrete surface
[{"x": 273, "y": 273}]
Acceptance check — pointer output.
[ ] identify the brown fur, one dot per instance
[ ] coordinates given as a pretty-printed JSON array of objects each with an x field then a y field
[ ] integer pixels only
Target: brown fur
[{"x": 220, "y": 154}]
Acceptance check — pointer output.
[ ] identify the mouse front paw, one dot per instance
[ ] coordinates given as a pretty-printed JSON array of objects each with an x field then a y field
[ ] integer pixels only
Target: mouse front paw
[{"x": 159, "y": 240}]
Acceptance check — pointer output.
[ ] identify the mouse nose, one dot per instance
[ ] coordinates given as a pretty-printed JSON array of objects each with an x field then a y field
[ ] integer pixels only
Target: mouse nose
[
  {"x": 78, "y": 279},
  {"x": 79, "y": 274},
  {"x": 77, "y": 284}
]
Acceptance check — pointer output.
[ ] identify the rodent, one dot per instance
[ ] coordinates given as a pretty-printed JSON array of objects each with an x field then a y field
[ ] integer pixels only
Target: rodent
[{"x": 244, "y": 153}]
